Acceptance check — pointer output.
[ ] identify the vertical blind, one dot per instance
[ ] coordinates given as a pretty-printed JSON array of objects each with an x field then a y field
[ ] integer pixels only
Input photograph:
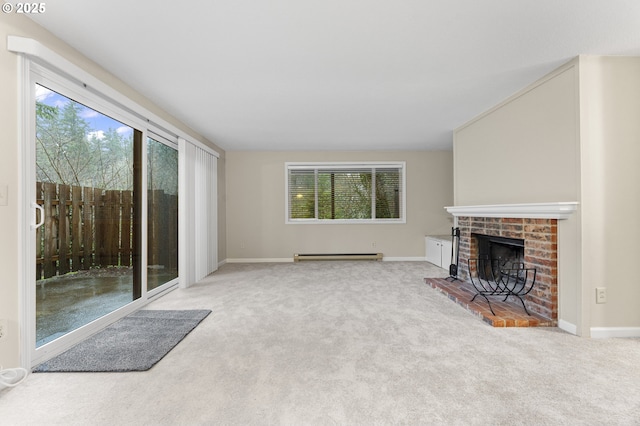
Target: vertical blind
[{"x": 199, "y": 226}]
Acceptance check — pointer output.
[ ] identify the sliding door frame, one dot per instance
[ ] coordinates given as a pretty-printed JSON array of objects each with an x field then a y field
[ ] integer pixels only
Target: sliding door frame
[{"x": 36, "y": 74}]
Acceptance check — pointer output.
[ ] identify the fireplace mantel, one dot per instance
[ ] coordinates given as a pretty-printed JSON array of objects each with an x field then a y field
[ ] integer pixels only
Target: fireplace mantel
[{"x": 561, "y": 210}]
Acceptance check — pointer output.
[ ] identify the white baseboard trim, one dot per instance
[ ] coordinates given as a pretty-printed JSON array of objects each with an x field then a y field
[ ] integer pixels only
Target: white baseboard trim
[
  {"x": 568, "y": 327},
  {"x": 222, "y": 262},
  {"x": 290, "y": 259},
  {"x": 608, "y": 332},
  {"x": 260, "y": 260}
]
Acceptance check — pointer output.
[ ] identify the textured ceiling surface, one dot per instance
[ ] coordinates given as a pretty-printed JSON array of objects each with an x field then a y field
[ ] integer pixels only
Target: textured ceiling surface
[{"x": 337, "y": 75}]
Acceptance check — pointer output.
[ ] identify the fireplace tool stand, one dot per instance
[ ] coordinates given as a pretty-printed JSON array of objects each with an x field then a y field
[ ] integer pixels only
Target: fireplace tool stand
[
  {"x": 455, "y": 250},
  {"x": 489, "y": 278}
]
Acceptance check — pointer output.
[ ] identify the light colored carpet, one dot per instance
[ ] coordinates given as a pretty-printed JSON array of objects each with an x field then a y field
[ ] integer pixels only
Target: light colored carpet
[{"x": 345, "y": 343}]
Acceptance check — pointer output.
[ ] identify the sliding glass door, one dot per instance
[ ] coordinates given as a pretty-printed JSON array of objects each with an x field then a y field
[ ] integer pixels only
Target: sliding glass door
[
  {"x": 87, "y": 250},
  {"x": 162, "y": 217},
  {"x": 101, "y": 209}
]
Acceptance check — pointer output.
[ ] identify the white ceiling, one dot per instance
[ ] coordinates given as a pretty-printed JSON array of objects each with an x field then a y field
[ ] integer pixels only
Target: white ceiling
[{"x": 337, "y": 74}]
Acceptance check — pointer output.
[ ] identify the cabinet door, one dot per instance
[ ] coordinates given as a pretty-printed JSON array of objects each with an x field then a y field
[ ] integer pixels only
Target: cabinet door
[
  {"x": 434, "y": 251},
  {"x": 445, "y": 246}
]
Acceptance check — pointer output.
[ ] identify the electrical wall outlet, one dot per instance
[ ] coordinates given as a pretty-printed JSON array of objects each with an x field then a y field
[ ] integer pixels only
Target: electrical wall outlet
[
  {"x": 4, "y": 327},
  {"x": 601, "y": 295}
]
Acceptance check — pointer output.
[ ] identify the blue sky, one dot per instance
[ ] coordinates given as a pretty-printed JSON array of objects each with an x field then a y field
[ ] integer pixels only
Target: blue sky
[{"x": 98, "y": 122}]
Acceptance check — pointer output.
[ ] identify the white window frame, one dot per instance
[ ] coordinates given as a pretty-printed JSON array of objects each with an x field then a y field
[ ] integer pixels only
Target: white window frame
[{"x": 364, "y": 165}]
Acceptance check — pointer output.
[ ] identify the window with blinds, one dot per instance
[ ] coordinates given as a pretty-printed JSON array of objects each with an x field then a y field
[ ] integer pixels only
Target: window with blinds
[{"x": 345, "y": 192}]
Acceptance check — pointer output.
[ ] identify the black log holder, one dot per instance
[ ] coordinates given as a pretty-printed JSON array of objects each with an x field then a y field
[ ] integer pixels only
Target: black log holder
[{"x": 489, "y": 278}]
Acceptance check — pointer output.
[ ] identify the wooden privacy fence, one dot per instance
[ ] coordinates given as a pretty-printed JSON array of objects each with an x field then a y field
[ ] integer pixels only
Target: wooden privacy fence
[{"x": 89, "y": 227}]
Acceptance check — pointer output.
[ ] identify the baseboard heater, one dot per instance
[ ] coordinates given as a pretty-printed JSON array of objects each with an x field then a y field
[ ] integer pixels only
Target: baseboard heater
[{"x": 337, "y": 256}]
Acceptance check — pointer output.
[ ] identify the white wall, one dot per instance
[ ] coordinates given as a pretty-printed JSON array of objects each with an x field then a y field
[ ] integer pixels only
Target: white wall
[
  {"x": 10, "y": 161},
  {"x": 256, "y": 226}
]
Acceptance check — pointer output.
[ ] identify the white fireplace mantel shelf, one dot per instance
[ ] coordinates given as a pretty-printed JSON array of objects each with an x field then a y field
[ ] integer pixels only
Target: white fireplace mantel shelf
[{"x": 562, "y": 210}]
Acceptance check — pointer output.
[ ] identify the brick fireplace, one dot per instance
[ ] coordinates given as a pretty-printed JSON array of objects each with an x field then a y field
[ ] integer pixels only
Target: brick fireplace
[
  {"x": 540, "y": 252},
  {"x": 529, "y": 234}
]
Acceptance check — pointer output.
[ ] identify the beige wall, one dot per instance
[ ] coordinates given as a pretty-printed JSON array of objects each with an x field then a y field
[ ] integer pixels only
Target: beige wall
[
  {"x": 256, "y": 226},
  {"x": 525, "y": 150},
  {"x": 610, "y": 180},
  {"x": 10, "y": 161},
  {"x": 572, "y": 136}
]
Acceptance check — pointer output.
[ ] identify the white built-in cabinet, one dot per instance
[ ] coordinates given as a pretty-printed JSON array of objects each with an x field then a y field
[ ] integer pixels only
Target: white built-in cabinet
[{"x": 438, "y": 250}]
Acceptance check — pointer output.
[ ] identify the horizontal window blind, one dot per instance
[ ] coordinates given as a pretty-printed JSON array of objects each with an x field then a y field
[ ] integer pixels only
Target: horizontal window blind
[
  {"x": 302, "y": 194},
  {"x": 388, "y": 193},
  {"x": 345, "y": 192}
]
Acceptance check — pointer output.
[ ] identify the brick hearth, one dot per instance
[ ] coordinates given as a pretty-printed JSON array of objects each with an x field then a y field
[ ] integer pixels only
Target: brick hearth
[{"x": 507, "y": 314}]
